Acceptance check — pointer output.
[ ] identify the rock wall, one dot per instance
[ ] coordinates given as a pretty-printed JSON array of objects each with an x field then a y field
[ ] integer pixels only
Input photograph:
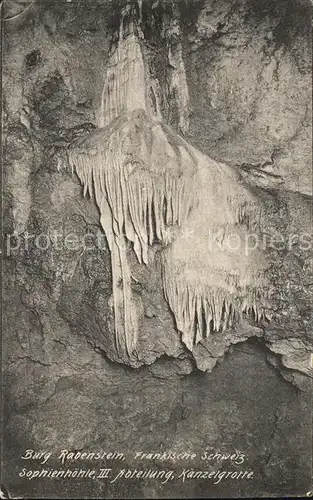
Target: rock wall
[{"x": 233, "y": 79}]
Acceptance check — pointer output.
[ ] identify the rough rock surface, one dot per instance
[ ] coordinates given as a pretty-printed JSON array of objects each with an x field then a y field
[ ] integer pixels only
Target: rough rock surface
[{"x": 247, "y": 75}]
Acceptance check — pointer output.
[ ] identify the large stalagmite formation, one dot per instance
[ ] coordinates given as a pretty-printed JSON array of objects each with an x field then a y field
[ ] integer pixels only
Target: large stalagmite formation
[{"x": 151, "y": 186}]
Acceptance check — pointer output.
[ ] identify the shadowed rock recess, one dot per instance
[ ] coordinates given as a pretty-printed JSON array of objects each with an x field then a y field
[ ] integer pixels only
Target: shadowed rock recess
[{"x": 158, "y": 237}]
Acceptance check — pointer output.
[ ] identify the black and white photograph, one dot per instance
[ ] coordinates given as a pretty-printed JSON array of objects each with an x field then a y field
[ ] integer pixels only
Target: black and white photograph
[{"x": 157, "y": 271}]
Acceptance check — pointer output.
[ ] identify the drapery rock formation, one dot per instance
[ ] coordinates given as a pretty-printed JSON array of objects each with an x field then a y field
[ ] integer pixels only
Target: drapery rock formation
[
  {"x": 223, "y": 90},
  {"x": 149, "y": 183}
]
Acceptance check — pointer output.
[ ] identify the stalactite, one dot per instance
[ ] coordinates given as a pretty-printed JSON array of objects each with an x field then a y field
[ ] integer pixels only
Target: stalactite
[
  {"x": 142, "y": 178},
  {"x": 202, "y": 308},
  {"x": 153, "y": 181},
  {"x": 146, "y": 173},
  {"x": 124, "y": 87},
  {"x": 151, "y": 186},
  {"x": 211, "y": 276}
]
